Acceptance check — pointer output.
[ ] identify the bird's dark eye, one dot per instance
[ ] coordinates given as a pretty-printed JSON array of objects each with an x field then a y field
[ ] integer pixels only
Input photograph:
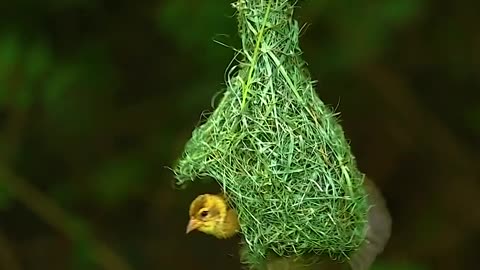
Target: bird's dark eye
[{"x": 204, "y": 213}]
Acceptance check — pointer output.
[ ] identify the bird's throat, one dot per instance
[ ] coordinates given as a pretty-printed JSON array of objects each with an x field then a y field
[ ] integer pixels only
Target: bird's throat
[{"x": 230, "y": 226}]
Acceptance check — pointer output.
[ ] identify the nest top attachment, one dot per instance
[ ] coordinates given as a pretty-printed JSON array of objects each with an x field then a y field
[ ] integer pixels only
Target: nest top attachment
[{"x": 276, "y": 149}]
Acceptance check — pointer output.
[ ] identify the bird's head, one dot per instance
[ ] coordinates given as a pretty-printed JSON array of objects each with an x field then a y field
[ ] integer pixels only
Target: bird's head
[{"x": 207, "y": 214}]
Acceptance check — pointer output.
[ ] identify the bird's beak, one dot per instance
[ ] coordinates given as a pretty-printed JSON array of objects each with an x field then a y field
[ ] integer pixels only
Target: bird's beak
[{"x": 192, "y": 225}]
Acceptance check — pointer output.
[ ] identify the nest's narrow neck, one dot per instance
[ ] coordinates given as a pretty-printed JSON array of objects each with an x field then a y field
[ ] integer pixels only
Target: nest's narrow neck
[{"x": 264, "y": 19}]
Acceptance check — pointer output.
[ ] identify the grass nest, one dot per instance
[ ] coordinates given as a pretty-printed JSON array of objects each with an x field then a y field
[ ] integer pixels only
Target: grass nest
[{"x": 276, "y": 149}]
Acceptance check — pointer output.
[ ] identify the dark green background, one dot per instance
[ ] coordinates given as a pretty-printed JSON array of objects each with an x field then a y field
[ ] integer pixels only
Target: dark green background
[{"x": 97, "y": 97}]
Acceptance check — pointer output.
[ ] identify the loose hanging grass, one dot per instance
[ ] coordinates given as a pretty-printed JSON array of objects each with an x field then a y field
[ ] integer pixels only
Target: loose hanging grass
[{"x": 276, "y": 149}]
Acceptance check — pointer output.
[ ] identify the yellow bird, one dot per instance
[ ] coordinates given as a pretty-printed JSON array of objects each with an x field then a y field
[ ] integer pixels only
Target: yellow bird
[{"x": 212, "y": 215}]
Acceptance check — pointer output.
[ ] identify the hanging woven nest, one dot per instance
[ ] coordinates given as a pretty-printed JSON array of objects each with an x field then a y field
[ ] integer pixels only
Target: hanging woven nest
[{"x": 276, "y": 149}]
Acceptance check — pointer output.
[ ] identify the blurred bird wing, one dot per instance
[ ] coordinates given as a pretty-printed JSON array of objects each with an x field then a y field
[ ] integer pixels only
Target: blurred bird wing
[{"x": 378, "y": 229}]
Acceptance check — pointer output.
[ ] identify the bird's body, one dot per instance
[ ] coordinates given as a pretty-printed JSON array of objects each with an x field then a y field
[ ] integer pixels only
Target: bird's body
[{"x": 212, "y": 215}]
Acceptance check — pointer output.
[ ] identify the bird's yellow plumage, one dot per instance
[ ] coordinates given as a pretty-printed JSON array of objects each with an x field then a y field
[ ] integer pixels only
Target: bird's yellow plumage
[{"x": 211, "y": 214}]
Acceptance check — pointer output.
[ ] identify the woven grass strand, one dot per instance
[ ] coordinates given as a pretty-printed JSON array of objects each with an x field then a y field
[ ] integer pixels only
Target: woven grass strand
[{"x": 276, "y": 149}]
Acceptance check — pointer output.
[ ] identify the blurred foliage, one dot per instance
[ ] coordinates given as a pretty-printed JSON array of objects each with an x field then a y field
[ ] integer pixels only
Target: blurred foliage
[
  {"x": 5, "y": 198},
  {"x": 355, "y": 31},
  {"x": 207, "y": 20},
  {"x": 398, "y": 266},
  {"x": 97, "y": 97}
]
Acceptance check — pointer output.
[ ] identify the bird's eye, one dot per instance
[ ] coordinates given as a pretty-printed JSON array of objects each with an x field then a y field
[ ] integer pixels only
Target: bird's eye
[{"x": 204, "y": 213}]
